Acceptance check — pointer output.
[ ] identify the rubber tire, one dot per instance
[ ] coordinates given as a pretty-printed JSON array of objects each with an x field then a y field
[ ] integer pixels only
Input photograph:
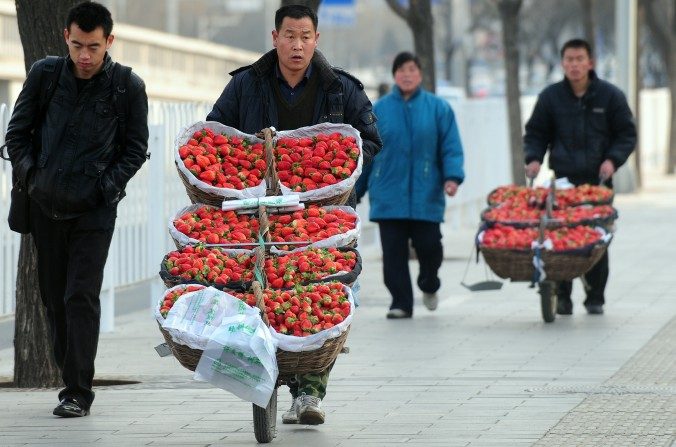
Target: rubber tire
[
  {"x": 547, "y": 301},
  {"x": 265, "y": 420}
]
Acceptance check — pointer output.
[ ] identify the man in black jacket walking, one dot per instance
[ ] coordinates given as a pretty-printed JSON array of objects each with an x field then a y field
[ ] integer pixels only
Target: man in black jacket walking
[
  {"x": 75, "y": 162},
  {"x": 290, "y": 87},
  {"x": 586, "y": 125}
]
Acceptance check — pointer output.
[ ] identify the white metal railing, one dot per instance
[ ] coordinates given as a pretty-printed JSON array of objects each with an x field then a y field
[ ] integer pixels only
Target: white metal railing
[{"x": 155, "y": 193}]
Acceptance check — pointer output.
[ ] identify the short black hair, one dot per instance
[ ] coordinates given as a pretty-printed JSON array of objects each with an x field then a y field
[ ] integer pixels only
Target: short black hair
[
  {"x": 577, "y": 43},
  {"x": 295, "y": 12},
  {"x": 403, "y": 57},
  {"x": 89, "y": 16}
]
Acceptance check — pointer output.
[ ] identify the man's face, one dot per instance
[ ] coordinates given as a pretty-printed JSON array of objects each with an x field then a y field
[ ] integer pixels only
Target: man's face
[
  {"x": 408, "y": 77},
  {"x": 576, "y": 64},
  {"x": 295, "y": 42},
  {"x": 87, "y": 50}
]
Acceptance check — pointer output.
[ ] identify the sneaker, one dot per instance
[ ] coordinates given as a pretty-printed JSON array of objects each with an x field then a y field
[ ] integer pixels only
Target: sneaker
[
  {"x": 398, "y": 313},
  {"x": 594, "y": 309},
  {"x": 564, "y": 306},
  {"x": 70, "y": 408},
  {"x": 290, "y": 416},
  {"x": 430, "y": 300},
  {"x": 308, "y": 411}
]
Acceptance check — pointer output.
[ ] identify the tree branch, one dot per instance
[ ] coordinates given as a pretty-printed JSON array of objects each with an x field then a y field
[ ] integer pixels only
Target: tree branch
[
  {"x": 658, "y": 28},
  {"x": 398, "y": 9}
]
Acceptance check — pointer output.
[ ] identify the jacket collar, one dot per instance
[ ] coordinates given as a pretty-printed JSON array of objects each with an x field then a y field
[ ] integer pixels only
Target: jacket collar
[
  {"x": 267, "y": 63},
  {"x": 108, "y": 65},
  {"x": 396, "y": 91},
  {"x": 593, "y": 81}
]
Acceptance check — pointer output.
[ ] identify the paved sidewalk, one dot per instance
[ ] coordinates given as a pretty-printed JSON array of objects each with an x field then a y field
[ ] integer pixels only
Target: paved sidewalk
[{"x": 483, "y": 370}]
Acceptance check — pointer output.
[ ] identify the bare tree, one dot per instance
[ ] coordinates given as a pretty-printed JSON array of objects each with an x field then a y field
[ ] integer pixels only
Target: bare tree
[
  {"x": 41, "y": 24},
  {"x": 509, "y": 14},
  {"x": 313, "y": 4},
  {"x": 587, "y": 7},
  {"x": 660, "y": 17},
  {"x": 418, "y": 16}
]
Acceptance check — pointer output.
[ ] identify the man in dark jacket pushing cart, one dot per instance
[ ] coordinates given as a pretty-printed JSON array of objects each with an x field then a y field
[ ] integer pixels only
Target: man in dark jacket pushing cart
[{"x": 586, "y": 125}]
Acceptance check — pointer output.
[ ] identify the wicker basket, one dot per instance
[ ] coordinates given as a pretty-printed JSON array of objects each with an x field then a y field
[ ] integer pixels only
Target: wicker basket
[
  {"x": 196, "y": 195},
  {"x": 271, "y": 179},
  {"x": 517, "y": 265},
  {"x": 186, "y": 356},
  {"x": 291, "y": 363},
  {"x": 340, "y": 199}
]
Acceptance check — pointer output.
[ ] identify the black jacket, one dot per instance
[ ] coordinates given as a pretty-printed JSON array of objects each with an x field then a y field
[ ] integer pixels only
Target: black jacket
[
  {"x": 580, "y": 133},
  {"x": 77, "y": 166},
  {"x": 248, "y": 104}
]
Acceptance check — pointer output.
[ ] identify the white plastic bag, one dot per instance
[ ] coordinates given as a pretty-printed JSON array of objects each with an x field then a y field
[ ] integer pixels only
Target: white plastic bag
[
  {"x": 195, "y": 316},
  {"x": 240, "y": 358},
  {"x": 186, "y": 134},
  {"x": 339, "y": 187},
  {"x": 315, "y": 341}
]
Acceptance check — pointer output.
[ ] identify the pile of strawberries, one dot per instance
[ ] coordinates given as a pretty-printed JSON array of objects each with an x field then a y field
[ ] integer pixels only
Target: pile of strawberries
[
  {"x": 304, "y": 310},
  {"x": 213, "y": 226},
  {"x": 305, "y": 266},
  {"x": 305, "y": 164},
  {"x": 520, "y": 213},
  {"x": 563, "y": 238},
  {"x": 209, "y": 265},
  {"x": 515, "y": 195},
  {"x": 302, "y": 164},
  {"x": 312, "y": 224},
  {"x": 223, "y": 161}
]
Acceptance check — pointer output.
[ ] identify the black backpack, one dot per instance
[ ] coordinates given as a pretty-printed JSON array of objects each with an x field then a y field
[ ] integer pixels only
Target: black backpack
[{"x": 50, "y": 78}]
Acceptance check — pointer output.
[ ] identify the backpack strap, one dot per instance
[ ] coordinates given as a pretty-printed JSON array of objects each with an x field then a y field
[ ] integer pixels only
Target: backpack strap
[
  {"x": 51, "y": 70},
  {"x": 120, "y": 84}
]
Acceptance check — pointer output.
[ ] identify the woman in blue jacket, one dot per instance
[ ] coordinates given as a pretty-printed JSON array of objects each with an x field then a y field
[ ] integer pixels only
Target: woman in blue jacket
[{"x": 421, "y": 159}]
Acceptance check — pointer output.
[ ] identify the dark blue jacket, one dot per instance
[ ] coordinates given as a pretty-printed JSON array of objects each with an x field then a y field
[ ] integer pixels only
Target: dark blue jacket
[
  {"x": 580, "y": 133},
  {"x": 248, "y": 103}
]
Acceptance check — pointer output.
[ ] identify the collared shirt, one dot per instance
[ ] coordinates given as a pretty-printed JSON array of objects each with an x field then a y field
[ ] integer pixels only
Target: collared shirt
[{"x": 291, "y": 94}]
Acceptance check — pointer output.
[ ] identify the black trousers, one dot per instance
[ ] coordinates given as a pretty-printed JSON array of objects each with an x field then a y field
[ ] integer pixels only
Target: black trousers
[
  {"x": 71, "y": 256},
  {"x": 426, "y": 239},
  {"x": 596, "y": 279}
]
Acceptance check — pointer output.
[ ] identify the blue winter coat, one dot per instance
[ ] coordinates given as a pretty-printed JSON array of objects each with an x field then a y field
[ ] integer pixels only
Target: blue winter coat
[{"x": 421, "y": 150}]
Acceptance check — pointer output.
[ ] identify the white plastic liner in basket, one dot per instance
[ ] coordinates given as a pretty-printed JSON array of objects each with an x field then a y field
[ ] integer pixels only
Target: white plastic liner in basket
[
  {"x": 336, "y": 241},
  {"x": 312, "y": 342},
  {"x": 186, "y": 134},
  {"x": 340, "y": 187},
  {"x": 195, "y": 316}
]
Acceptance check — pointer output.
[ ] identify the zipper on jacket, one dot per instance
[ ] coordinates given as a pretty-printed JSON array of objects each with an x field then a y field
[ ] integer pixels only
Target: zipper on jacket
[{"x": 409, "y": 128}]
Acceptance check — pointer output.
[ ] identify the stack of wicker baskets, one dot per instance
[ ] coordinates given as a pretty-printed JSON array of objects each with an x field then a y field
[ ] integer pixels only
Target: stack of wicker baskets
[
  {"x": 289, "y": 363},
  {"x": 519, "y": 265}
]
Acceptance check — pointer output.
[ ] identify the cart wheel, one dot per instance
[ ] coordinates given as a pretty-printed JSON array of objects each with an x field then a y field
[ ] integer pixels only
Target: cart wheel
[
  {"x": 548, "y": 301},
  {"x": 265, "y": 420}
]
